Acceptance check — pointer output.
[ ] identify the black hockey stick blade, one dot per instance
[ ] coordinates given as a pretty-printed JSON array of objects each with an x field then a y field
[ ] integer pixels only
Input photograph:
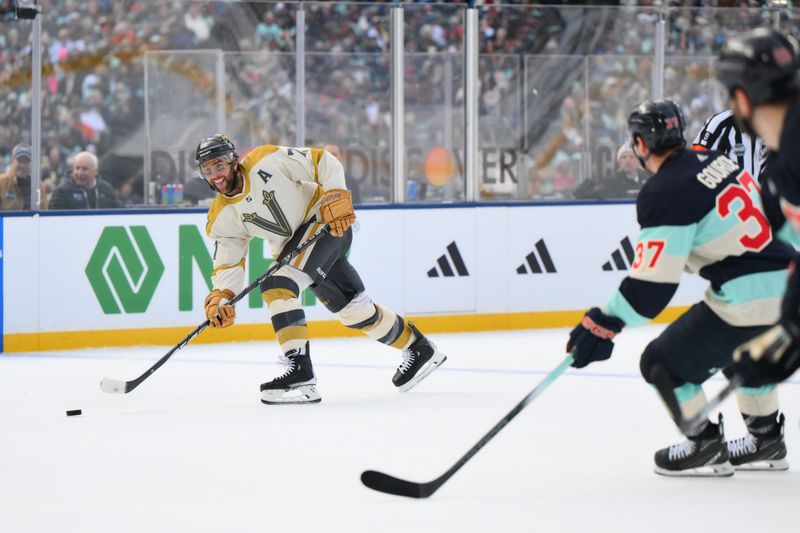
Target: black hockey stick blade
[
  {"x": 399, "y": 487},
  {"x": 116, "y": 386}
]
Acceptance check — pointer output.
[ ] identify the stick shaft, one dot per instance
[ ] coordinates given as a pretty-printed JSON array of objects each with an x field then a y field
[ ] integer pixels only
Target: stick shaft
[
  {"x": 392, "y": 485},
  {"x": 691, "y": 425},
  {"x": 130, "y": 385}
]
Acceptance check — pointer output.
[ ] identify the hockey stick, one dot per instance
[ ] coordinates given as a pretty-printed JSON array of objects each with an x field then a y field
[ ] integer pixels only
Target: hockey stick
[
  {"x": 123, "y": 387},
  {"x": 689, "y": 426},
  {"x": 392, "y": 485}
]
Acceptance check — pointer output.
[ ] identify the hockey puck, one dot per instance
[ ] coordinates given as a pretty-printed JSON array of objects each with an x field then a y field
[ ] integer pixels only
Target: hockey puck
[{"x": 74, "y": 412}]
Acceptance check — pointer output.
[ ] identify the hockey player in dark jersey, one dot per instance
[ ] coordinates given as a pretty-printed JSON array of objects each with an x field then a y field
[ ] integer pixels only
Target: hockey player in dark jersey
[
  {"x": 762, "y": 74},
  {"x": 699, "y": 213}
]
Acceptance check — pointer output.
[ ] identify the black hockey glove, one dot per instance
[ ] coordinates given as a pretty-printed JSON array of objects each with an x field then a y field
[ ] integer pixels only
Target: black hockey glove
[
  {"x": 774, "y": 355},
  {"x": 591, "y": 340}
]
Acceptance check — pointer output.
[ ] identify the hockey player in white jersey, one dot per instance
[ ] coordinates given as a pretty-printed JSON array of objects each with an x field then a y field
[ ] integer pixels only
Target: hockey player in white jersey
[{"x": 284, "y": 196}]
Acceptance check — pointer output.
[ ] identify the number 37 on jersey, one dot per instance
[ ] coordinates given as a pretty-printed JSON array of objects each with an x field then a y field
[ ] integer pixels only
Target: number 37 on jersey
[{"x": 736, "y": 225}]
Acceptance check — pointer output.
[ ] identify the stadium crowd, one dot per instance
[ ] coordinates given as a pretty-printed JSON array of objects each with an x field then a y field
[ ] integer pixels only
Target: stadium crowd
[{"x": 556, "y": 82}]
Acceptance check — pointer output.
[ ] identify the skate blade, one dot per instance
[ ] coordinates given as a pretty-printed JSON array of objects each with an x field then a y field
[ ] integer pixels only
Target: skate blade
[
  {"x": 719, "y": 470},
  {"x": 434, "y": 362},
  {"x": 302, "y": 394},
  {"x": 767, "y": 465}
]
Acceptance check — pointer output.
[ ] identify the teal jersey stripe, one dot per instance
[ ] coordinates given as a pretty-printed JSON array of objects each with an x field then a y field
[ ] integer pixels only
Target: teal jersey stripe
[
  {"x": 712, "y": 227},
  {"x": 788, "y": 235},
  {"x": 687, "y": 392},
  {"x": 757, "y": 391},
  {"x": 677, "y": 239},
  {"x": 758, "y": 286},
  {"x": 619, "y": 307}
]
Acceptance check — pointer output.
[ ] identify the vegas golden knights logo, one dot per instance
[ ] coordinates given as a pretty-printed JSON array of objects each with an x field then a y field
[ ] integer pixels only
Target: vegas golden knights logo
[{"x": 280, "y": 226}]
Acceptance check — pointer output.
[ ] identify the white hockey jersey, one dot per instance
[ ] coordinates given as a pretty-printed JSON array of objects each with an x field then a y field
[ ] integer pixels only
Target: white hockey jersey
[{"x": 282, "y": 189}]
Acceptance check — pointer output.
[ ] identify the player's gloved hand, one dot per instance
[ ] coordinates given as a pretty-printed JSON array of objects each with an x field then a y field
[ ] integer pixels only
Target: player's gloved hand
[
  {"x": 774, "y": 355},
  {"x": 337, "y": 211},
  {"x": 218, "y": 312},
  {"x": 591, "y": 340}
]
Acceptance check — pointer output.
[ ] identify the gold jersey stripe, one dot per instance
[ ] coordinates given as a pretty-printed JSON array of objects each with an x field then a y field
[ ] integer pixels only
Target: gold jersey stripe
[
  {"x": 270, "y": 295},
  {"x": 313, "y": 201},
  {"x": 402, "y": 340},
  {"x": 292, "y": 333},
  {"x": 255, "y": 155},
  {"x": 316, "y": 155},
  {"x": 226, "y": 267}
]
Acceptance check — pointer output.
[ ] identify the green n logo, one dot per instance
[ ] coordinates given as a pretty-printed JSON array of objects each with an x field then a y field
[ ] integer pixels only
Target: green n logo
[
  {"x": 124, "y": 269},
  {"x": 194, "y": 257}
]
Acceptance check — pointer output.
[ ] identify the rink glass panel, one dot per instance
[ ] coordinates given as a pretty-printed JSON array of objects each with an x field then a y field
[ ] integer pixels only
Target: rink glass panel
[
  {"x": 543, "y": 108},
  {"x": 184, "y": 102},
  {"x": 15, "y": 91}
]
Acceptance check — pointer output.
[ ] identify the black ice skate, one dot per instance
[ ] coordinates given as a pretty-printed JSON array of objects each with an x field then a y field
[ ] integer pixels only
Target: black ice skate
[
  {"x": 703, "y": 455},
  {"x": 419, "y": 360},
  {"x": 752, "y": 452},
  {"x": 296, "y": 385}
]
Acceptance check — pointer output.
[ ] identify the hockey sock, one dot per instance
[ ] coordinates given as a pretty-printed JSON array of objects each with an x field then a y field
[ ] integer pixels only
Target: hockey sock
[
  {"x": 288, "y": 318},
  {"x": 759, "y": 408},
  {"x": 692, "y": 400},
  {"x": 378, "y": 323}
]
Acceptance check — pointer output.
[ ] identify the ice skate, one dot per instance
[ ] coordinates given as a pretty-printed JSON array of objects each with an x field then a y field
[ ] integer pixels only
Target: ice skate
[
  {"x": 419, "y": 360},
  {"x": 752, "y": 452},
  {"x": 296, "y": 385},
  {"x": 705, "y": 455}
]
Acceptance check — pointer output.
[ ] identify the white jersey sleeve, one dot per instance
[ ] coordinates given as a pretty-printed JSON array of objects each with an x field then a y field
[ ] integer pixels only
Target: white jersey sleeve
[{"x": 230, "y": 250}]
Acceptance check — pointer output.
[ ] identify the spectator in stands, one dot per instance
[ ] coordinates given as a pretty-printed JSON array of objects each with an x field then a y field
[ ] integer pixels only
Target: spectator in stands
[
  {"x": 15, "y": 185},
  {"x": 84, "y": 190},
  {"x": 625, "y": 183},
  {"x": 628, "y": 167}
]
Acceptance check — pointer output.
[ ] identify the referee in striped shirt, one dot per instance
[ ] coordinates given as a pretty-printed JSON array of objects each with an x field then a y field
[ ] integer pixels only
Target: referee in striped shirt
[{"x": 721, "y": 133}]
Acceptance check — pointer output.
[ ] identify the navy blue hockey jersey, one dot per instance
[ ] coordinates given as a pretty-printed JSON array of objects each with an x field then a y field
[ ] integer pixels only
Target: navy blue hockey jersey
[
  {"x": 701, "y": 213},
  {"x": 783, "y": 170}
]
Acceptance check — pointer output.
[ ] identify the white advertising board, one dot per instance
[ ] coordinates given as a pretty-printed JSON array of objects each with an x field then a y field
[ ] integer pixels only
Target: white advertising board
[{"x": 148, "y": 270}]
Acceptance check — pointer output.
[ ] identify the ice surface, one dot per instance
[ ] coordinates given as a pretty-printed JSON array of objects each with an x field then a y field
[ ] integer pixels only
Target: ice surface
[{"x": 193, "y": 449}]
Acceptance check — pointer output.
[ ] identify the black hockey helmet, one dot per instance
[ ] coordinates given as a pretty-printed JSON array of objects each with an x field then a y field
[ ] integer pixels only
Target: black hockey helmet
[
  {"x": 659, "y": 123},
  {"x": 763, "y": 64},
  {"x": 218, "y": 145}
]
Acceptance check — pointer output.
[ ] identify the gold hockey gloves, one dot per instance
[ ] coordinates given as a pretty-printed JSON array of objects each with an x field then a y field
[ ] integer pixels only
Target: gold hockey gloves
[
  {"x": 337, "y": 211},
  {"x": 218, "y": 312}
]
